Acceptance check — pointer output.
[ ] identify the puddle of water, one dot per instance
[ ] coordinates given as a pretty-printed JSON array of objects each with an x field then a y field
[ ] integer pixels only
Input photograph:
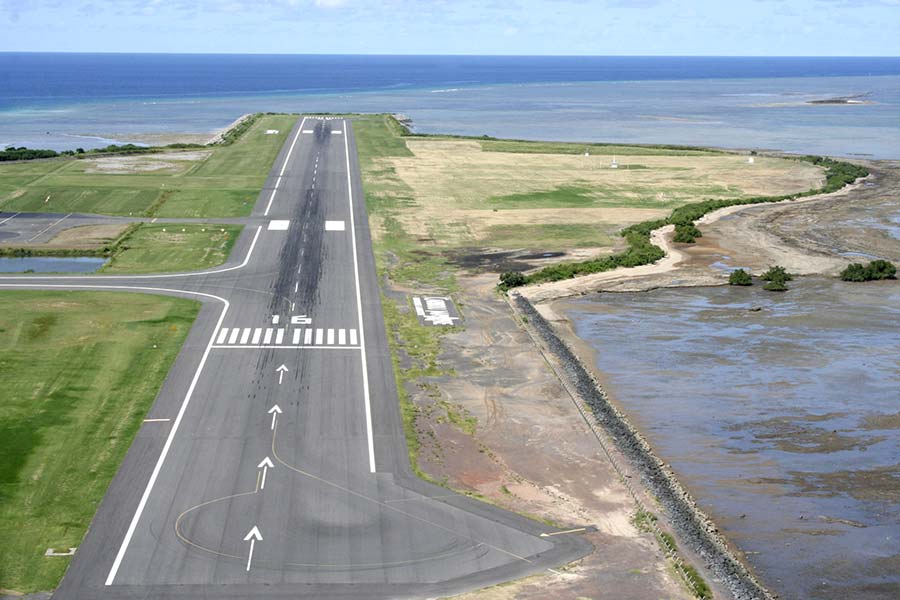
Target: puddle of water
[
  {"x": 783, "y": 421},
  {"x": 51, "y": 264}
]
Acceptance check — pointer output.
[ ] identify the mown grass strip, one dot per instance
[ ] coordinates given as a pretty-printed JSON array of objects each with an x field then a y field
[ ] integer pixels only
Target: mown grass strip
[{"x": 80, "y": 371}]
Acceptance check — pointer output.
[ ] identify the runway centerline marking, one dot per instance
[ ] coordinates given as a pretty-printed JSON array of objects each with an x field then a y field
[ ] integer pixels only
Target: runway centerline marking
[
  {"x": 362, "y": 335},
  {"x": 334, "y": 226}
]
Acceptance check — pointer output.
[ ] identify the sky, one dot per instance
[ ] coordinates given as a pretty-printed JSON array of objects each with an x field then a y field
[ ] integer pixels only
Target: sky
[{"x": 525, "y": 27}]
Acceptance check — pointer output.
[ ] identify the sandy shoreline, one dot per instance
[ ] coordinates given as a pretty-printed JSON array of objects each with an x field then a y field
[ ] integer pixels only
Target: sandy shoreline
[{"x": 164, "y": 139}]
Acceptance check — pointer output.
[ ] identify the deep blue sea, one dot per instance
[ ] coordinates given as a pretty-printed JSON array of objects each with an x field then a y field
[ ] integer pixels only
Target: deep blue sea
[{"x": 68, "y": 100}]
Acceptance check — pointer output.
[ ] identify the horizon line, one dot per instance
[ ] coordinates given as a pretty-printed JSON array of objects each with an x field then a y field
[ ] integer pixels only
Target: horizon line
[{"x": 450, "y": 55}]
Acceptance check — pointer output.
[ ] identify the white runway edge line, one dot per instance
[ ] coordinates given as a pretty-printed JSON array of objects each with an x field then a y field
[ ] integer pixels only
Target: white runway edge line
[
  {"x": 283, "y": 167},
  {"x": 184, "y": 404},
  {"x": 102, "y": 278},
  {"x": 362, "y": 331}
]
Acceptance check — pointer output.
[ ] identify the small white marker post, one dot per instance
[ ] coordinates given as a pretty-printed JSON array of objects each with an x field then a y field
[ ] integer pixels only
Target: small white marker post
[
  {"x": 274, "y": 411},
  {"x": 265, "y": 465},
  {"x": 253, "y": 536},
  {"x": 281, "y": 371}
]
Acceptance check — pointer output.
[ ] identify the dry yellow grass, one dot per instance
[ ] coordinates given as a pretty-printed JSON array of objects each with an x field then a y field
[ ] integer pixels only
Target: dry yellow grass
[{"x": 458, "y": 190}]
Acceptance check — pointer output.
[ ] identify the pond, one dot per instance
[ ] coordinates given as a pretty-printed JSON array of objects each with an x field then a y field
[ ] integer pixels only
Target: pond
[{"x": 51, "y": 264}]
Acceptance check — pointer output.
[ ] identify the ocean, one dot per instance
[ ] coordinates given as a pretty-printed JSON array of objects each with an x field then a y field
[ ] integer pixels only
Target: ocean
[{"x": 63, "y": 101}]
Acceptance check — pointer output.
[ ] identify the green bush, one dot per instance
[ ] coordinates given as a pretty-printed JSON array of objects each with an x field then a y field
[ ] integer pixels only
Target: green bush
[
  {"x": 777, "y": 273},
  {"x": 875, "y": 270},
  {"x": 686, "y": 234},
  {"x": 511, "y": 279},
  {"x": 740, "y": 277},
  {"x": 776, "y": 285}
]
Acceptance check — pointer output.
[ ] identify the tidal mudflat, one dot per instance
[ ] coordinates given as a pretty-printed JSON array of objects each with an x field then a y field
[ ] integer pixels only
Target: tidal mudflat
[{"x": 780, "y": 412}]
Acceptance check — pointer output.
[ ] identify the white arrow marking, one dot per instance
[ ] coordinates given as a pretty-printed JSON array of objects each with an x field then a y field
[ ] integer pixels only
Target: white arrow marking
[
  {"x": 274, "y": 411},
  {"x": 281, "y": 371},
  {"x": 580, "y": 529},
  {"x": 265, "y": 465},
  {"x": 253, "y": 536}
]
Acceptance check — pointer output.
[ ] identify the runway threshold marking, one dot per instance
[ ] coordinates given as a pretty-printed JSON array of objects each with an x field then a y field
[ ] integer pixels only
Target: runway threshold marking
[
  {"x": 283, "y": 167},
  {"x": 362, "y": 336}
]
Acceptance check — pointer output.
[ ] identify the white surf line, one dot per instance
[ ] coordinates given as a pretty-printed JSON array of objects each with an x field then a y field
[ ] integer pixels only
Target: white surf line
[
  {"x": 184, "y": 404},
  {"x": 283, "y": 167},
  {"x": 100, "y": 278},
  {"x": 362, "y": 335},
  {"x": 10, "y": 218},
  {"x": 48, "y": 227}
]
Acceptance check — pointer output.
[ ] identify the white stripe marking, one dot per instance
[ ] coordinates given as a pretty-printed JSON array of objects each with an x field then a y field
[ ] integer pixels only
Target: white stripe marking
[
  {"x": 157, "y": 420},
  {"x": 245, "y": 337},
  {"x": 234, "y": 335},
  {"x": 342, "y": 337},
  {"x": 331, "y": 337},
  {"x": 296, "y": 339},
  {"x": 257, "y": 333},
  {"x": 187, "y": 398},
  {"x": 47, "y": 228},
  {"x": 223, "y": 333},
  {"x": 319, "y": 334},
  {"x": 10, "y": 218},
  {"x": 334, "y": 226},
  {"x": 284, "y": 166},
  {"x": 307, "y": 337},
  {"x": 279, "y": 337},
  {"x": 164, "y": 275},
  {"x": 362, "y": 334},
  {"x": 267, "y": 339},
  {"x": 352, "y": 337}
]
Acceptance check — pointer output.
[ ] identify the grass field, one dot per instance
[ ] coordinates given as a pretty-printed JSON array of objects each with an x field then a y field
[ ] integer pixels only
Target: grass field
[
  {"x": 430, "y": 197},
  {"x": 80, "y": 370},
  {"x": 169, "y": 248},
  {"x": 219, "y": 181}
]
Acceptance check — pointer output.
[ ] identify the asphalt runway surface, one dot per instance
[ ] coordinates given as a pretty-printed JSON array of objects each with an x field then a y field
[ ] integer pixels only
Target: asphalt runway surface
[{"x": 273, "y": 462}]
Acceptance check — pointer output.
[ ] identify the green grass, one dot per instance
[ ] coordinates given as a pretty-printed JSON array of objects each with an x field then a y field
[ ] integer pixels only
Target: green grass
[
  {"x": 223, "y": 184},
  {"x": 164, "y": 248},
  {"x": 552, "y": 236},
  {"x": 565, "y": 196},
  {"x": 80, "y": 371}
]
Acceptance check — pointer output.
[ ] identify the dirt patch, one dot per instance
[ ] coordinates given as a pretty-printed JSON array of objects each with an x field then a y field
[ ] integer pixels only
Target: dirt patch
[
  {"x": 167, "y": 162},
  {"x": 87, "y": 236},
  {"x": 875, "y": 485},
  {"x": 878, "y": 422},
  {"x": 531, "y": 452}
]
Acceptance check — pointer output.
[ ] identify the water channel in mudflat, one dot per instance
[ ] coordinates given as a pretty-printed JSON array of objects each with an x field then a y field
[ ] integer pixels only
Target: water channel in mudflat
[{"x": 781, "y": 414}]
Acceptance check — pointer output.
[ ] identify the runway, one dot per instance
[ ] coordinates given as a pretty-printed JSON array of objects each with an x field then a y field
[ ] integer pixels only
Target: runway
[{"x": 273, "y": 462}]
